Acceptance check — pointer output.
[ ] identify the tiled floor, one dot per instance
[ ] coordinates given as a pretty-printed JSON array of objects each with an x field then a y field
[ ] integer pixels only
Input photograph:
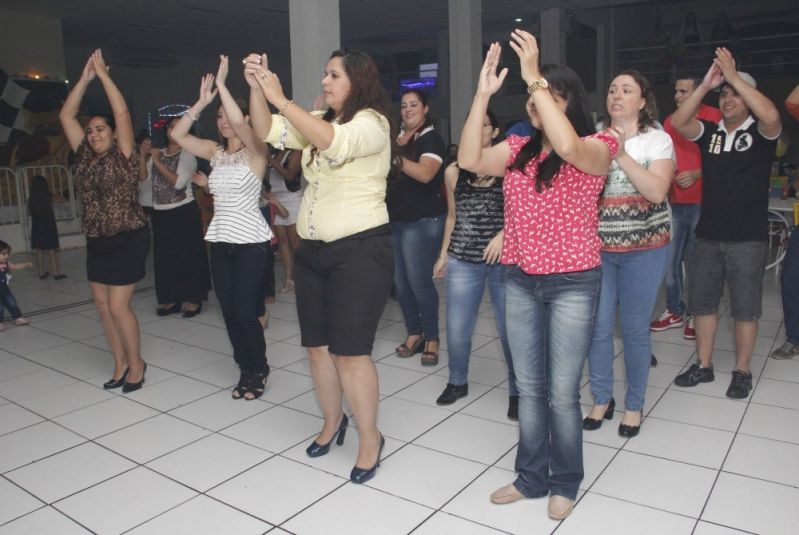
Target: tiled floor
[{"x": 179, "y": 456}]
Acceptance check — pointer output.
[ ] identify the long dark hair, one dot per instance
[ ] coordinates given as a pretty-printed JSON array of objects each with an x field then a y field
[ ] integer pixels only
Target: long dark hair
[
  {"x": 365, "y": 92},
  {"x": 40, "y": 201},
  {"x": 409, "y": 149},
  {"x": 565, "y": 82},
  {"x": 646, "y": 115}
]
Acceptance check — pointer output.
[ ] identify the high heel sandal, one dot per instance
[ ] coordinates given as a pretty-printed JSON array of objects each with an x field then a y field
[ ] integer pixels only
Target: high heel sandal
[
  {"x": 132, "y": 387},
  {"x": 256, "y": 386},
  {"x": 362, "y": 475},
  {"x": 116, "y": 383},
  {"x": 317, "y": 450},
  {"x": 429, "y": 358},
  {"x": 240, "y": 389},
  {"x": 589, "y": 424},
  {"x": 405, "y": 352}
]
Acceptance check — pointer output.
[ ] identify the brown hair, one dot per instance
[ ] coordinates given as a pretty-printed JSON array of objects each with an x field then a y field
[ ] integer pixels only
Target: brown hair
[{"x": 646, "y": 115}]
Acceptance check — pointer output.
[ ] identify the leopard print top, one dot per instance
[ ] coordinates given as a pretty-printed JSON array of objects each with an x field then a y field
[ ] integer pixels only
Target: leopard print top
[{"x": 109, "y": 191}]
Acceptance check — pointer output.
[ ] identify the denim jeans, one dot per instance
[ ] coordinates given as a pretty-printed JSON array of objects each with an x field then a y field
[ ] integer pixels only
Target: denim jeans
[
  {"x": 789, "y": 279},
  {"x": 416, "y": 247},
  {"x": 631, "y": 281},
  {"x": 237, "y": 271},
  {"x": 465, "y": 284},
  {"x": 8, "y": 301},
  {"x": 550, "y": 319},
  {"x": 684, "y": 218}
]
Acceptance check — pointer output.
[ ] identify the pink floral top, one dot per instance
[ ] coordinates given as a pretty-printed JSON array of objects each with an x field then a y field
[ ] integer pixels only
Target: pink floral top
[{"x": 554, "y": 231}]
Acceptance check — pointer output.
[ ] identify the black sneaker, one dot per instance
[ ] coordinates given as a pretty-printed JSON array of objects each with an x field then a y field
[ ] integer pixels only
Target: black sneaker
[
  {"x": 452, "y": 393},
  {"x": 513, "y": 408},
  {"x": 740, "y": 385},
  {"x": 695, "y": 375}
]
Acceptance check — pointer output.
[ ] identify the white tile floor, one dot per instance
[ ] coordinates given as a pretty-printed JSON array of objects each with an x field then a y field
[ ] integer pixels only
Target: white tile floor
[{"x": 180, "y": 456}]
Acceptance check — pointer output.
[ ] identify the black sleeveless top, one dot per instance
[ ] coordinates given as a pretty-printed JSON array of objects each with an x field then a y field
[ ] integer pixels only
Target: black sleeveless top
[{"x": 479, "y": 216}]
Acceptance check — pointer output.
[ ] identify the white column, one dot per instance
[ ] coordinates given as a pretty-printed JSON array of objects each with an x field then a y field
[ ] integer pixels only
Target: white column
[
  {"x": 553, "y": 36},
  {"x": 465, "y": 59},
  {"x": 315, "y": 33}
]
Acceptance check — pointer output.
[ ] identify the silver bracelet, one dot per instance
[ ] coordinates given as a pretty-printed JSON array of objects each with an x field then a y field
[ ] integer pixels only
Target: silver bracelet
[{"x": 192, "y": 117}]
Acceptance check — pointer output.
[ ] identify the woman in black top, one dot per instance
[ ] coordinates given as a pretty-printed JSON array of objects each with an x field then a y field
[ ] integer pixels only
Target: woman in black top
[{"x": 417, "y": 210}]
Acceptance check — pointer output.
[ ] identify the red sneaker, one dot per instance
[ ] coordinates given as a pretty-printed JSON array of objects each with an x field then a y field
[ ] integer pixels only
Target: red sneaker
[
  {"x": 690, "y": 332},
  {"x": 666, "y": 320}
]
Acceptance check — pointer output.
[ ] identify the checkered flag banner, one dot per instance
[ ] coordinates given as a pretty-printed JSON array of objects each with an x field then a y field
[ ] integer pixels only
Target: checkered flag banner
[{"x": 13, "y": 120}]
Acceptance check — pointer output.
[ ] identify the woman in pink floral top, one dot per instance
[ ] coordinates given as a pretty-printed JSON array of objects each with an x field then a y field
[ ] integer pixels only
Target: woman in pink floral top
[{"x": 552, "y": 185}]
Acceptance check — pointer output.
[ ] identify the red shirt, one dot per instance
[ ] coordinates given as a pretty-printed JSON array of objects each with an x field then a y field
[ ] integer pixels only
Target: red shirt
[
  {"x": 688, "y": 158},
  {"x": 554, "y": 231}
]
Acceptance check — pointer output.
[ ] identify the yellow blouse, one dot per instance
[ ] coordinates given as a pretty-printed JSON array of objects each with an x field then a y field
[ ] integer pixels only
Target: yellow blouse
[{"x": 346, "y": 191}]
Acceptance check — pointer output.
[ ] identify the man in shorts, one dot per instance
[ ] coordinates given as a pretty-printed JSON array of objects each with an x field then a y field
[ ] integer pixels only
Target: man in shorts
[{"x": 732, "y": 233}]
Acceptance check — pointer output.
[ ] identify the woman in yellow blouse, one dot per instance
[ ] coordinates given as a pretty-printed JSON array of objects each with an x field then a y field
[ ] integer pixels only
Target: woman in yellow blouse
[{"x": 344, "y": 264}]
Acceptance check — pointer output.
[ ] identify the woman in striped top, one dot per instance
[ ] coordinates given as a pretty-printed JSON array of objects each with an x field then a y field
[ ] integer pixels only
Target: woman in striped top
[
  {"x": 238, "y": 232},
  {"x": 470, "y": 256}
]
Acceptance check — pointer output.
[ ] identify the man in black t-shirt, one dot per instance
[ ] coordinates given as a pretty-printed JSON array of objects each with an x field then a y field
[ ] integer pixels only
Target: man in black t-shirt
[{"x": 732, "y": 233}]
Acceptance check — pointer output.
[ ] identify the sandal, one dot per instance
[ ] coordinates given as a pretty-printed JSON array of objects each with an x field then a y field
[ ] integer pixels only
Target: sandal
[
  {"x": 429, "y": 358},
  {"x": 404, "y": 351},
  {"x": 255, "y": 388},
  {"x": 240, "y": 389}
]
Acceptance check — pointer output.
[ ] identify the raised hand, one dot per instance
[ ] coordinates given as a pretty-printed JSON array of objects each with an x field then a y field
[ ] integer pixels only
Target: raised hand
[
  {"x": 618, "y": 133},
  {"x": 89, "y": 72},
  {"x": 526, "y": 47},
  {"x": 713, "y": 77},
  {"x": 207, "y": 94},
  {"x": 221, "y": 73},
  {"x": 489, "y": 82},
  {"x": 726, "y": 64},
  {"x": 250, "y": 63},
  {"x": 99, "y": 63}
]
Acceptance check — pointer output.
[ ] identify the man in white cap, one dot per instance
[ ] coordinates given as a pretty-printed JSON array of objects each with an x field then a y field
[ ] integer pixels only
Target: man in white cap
[{"x": 732, "y": 233}]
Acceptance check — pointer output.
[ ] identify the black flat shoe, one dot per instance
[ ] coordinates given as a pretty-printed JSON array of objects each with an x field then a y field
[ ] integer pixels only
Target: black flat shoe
[
  {"x": 132, "y": 387},
  {"x": 362, "y": 475},
  {"x": 174, "y": 309},
  {"x": 59, "y": 277},
  {"x": 116, "y": 383},
  {"x": 589, "y": 424},
  {"x": 513, "y": 408},
  {"x": 192, "y": 313},
  {"x": 653, "y": 363},
  {"x": 44, "y": 275},
  {"x": 452, "y": 393},
  {"x": 629, "y": 431},
  {"x": 317, "y": 450}
]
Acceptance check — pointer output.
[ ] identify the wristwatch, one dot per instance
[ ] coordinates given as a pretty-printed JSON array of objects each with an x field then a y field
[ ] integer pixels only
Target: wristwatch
[{"x": 538, "y": 83}]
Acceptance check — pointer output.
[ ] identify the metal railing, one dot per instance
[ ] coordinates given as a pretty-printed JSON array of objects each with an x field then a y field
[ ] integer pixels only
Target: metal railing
[{"x": 10, "y": 194}]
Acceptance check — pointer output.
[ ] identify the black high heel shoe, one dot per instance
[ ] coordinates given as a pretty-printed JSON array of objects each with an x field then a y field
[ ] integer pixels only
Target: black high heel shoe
[
  {"x": 116, "y": 383},
  {"x": 317, "y": 450},
  {"x": 362, "y": 475},
  {"x": 132, "y": 387},
  {"x": 174, "y": 309},
  {"x": 589, "y": 424}
]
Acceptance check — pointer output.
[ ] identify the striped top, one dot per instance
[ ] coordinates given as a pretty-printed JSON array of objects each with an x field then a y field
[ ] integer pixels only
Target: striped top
[
  {"x": 627, "y": 221},
  {"x": 236, "y": 190},
  {"x": 478, "y": 218}
]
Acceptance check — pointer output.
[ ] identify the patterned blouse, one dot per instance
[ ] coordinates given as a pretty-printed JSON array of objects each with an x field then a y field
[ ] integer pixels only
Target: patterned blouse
[
  {"x": 478, "y": 218},
  {"x": 109, "y": 191},
  {"x": 236, "y": 190},
  {"x": 554, "y": 231}
]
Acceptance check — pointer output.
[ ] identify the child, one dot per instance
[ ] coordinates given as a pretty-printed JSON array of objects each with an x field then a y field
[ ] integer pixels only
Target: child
[
  {"x": 7, "y": 300},
  {"x": 44, "y": 233},
  {"x": 270, "y": 207}
]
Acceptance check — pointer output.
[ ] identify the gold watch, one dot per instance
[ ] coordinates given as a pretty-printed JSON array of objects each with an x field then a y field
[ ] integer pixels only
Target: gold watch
[{"x": 538, "y": 83}]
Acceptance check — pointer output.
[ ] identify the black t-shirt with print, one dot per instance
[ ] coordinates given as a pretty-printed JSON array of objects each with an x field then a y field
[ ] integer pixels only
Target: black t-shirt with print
[
  {"x": 411, "y": 200},
  {"x": 735, "y": 182}
]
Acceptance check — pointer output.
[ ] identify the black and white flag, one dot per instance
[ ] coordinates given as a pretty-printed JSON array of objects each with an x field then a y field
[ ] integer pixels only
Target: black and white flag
[{"x": 13, "y": 121}]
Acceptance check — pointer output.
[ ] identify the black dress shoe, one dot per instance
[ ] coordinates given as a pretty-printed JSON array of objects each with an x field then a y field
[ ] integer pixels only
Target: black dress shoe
[
  {"x": 629, "y": 431},
  {"x": 589, "y": 424},
  {"x": 317, "y": 450},
  {"x": 132, "y": 387},
  {"x": 192, "y": 313},
  {"x": 653, "y": 363},
  {"x": 362, "y": 475},
  {"x": 116, "y": 383},
  {"x": 452, "y": 393},
  {"x": 513, "y": 408},
  {"x": 174, "y": 309}
]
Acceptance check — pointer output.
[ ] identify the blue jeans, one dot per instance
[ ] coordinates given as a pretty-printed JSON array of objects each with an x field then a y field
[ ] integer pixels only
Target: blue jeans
[
  {"x": 8, "y": 301},
  {"x": 550, "y": 319},
  {"x": 684, "y": 218},
  {"x": 631, "y": 281},
  {"x": 790, "y": 289},
  {"x": 465, "y": 283},
  {"x": 416, "y": 248},
  {"x": 237, "y": 271}
]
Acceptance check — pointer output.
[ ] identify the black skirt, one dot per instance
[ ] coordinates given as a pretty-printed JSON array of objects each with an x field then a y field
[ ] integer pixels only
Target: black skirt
[
  {"x": 118, "y": 260},
  {"x": 44, "y": 233}
]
